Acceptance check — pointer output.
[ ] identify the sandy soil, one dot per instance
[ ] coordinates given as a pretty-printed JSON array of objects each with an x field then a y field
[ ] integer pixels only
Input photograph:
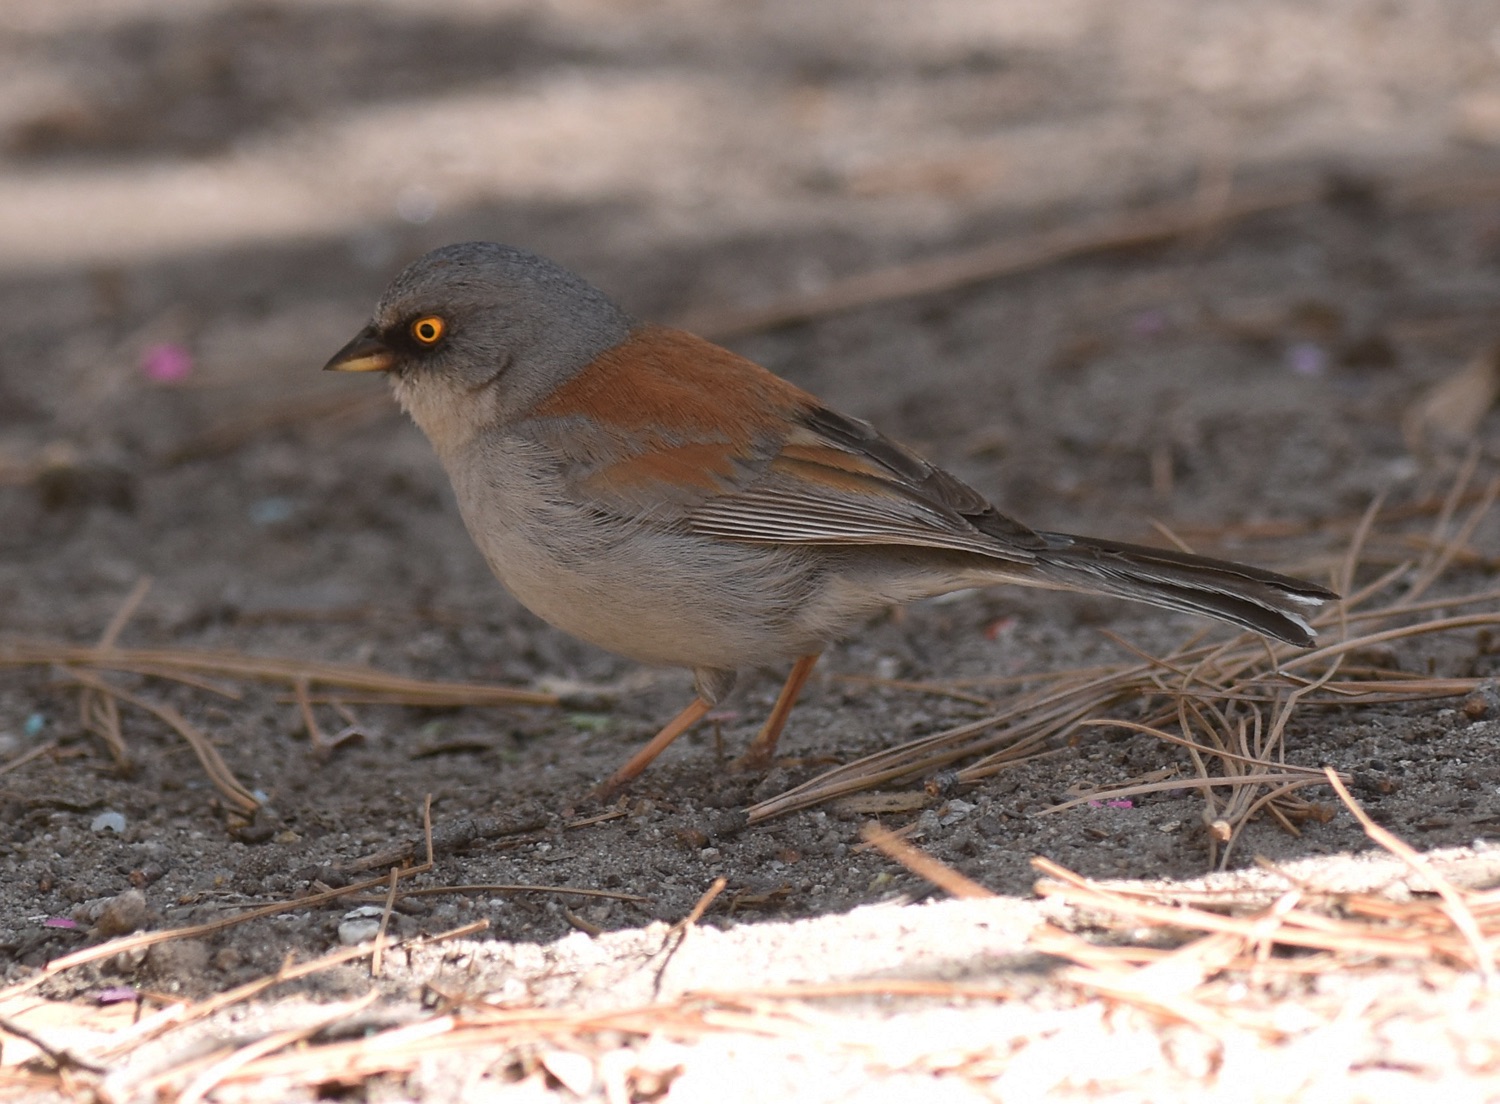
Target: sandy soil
[{"x": 238, "y": 180}]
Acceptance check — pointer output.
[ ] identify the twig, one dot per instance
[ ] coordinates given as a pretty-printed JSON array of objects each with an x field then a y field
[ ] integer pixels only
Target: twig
[
  {"x": 60, "y": 1059},
  {"x": 126, "y": 611},
  {"x": 386, "y": 687},
  {"x": 1454, "y": 905},
  {"x": 27, "y": 756},
  {"x": 199, "y": 1087},
  {"x": 1148, "y": 226},
  {"x": 606, "y": 894},
  {"x": 677, "y": 934},
  {"x": 179, "y": 1015},
  {"x": 921, "y": 864},
  {"x": 213, "y": 764},
  {"x": 309, "y": 720},
  {"x": 385, "y": 921}
]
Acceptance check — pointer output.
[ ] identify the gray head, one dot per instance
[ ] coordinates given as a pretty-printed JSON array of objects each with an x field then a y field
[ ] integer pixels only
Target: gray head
[{"x": 478, "y": 331}]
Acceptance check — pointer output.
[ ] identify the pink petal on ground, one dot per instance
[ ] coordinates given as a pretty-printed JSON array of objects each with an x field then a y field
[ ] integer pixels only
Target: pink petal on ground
[{"x": 166, "y": 363}]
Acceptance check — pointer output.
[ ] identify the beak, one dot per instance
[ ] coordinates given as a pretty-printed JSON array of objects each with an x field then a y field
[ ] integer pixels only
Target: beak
[{"x": 366, "y": 353}]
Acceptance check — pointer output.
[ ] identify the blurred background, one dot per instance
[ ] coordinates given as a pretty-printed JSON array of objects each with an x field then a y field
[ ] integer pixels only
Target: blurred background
[
  {"x": 635, "y": 137},
  {"x": 136, "y": 129}
]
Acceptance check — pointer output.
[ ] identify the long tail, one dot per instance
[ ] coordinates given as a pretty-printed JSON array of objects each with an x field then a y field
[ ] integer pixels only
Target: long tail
[{"x": 1275, "y": 605}]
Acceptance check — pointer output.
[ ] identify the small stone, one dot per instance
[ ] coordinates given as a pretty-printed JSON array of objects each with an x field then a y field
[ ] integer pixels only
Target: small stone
[
  {"x": 692, "y": 837},
  {"x": 360, "y": 925},
  {"x": 108, "y": 822},
  {"x": 123, "y": 914},
  {"x": 354, "y": 932},
  {"x": 726, "y": 823},
  {"x": 991, "y": 826},
  {"x": 227, "y": 960},
  {"x": 953, "y": 812},
  {"x": 143, "y": 876},
  {"x": 178, "y": 960},
  {"x": 574, "y": 1071}
]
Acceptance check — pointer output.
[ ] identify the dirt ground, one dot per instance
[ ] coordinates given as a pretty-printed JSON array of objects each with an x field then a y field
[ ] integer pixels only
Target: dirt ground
[{"x": 200, "y": 201}]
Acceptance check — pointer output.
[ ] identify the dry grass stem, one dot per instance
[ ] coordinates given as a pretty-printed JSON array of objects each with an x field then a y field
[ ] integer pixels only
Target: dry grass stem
[
  {"x": 366, "y": 683},
  {"x": 142, "y": 940},
  {"x": 315, "y": 735},
  {"x": 677, "y": 934},
  {"x": 218, "y": 772},
  {"x": 126, "y": 611},
  {"x": 1150, "y": 225},
  {"x": 1462, "y": 928},
  {"x": 604, "y": 894},
  {"x": 385, "y": 923},
  {"x": 1167, "y": 221},
  {"x": 176, "y": 1016},
  {"x": 324, "y": 411},
  {"x": 98, "y": 712},
  {"x": 922, "y": 864},
  {"x": 27, "y": 756},
  {"x": 99, "y": 699},
  {"x": 937, "y": 690},
  {"x": 200, "y": 1086},
  {"x": 1455, "y": 906}
]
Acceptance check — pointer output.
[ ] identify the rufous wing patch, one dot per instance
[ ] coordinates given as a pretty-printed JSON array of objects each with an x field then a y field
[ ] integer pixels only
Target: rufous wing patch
[
  {"x": 698, "y": 468},
  {"x": 668, "y": 386}
]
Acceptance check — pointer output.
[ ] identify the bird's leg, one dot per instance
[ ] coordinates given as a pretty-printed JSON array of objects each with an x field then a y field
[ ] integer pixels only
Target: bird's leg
[
  {"x": 642, "y": 759},
  {"x": 758, "y": 754}
]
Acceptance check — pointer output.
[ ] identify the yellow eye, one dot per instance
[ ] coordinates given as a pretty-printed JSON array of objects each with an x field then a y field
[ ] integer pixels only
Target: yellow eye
[{"x": 428, "y": 330}]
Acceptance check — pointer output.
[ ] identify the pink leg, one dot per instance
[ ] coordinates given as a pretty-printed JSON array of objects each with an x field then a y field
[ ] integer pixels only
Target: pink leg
[
  {"x": 642, "y": 759},
  {"x": 758, "y": 755}
]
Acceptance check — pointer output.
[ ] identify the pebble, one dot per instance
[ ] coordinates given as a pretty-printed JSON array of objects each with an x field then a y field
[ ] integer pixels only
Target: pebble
[
  {"x": 123, "y": 914},
  {"x": 178, "y": 960},
  {"x": 575, "y": 1071},
  {"x": 360, "y": 925},
  {"x": 108, "y": 822},
  {"x": 955, "y": 811}
]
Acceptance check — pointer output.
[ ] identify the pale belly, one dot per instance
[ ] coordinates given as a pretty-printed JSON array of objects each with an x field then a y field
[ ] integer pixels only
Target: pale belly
[
  {"x": 660, "y": 595},
  {"x": 694, "y": 605},
  {"x": 642, "y": 591}
]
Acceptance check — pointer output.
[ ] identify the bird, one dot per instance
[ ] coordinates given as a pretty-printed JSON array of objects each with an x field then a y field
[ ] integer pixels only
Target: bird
[{"x": 668, "y": 500}]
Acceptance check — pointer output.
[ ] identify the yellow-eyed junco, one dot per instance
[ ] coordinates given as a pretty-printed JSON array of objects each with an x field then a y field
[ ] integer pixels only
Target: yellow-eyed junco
[{"x": 670, "y": 501}]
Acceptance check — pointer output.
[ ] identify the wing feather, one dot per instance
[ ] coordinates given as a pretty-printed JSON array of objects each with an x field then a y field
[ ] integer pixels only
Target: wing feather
[
  {"x": 836, "y": 480},
  {"x": 749, "y": 457}
]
